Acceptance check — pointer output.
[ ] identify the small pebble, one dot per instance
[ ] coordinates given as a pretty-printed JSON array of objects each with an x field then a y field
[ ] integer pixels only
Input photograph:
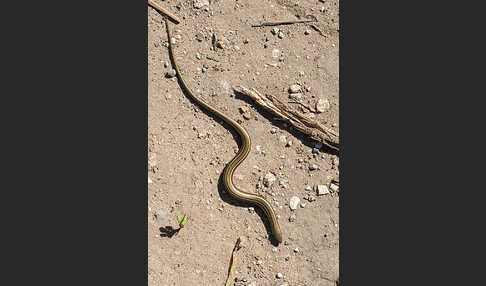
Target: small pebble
[
  {"x": 160, "y": 215},
  {"x": 322, "y": 190},
  {"x": 204, "y": 69},
  {"x": 334, "y": 187},
  {"x": 149, "y": 180},
  {"x": 198, "y": 56},
  {"x": 273, "y": 130},
  {"x": 275, "y": 31},
  {"x": 156, "y": 44},
  {"x": 171, "y": 73},
  {"x": 166, "y": 64},
  {"x": 296, "y": 250},
  {"x": 280, "y": 35},
  {"x": 295, "y": 88},
  {"x": 296, "y": 96},
  {"x": 313, "y": 167},
  {"x": 246, "y": 41},
  {"x": 269, "y": 180},
  {"x": 308, "y": 188},
  {"x": 289, "y": 143},
  {"x": 251, "y": 210},
  {"x": 178, "y": 37},
  {"x": 275, "y": 53},
  {"x": 315, "y": 151},
  {"x": 307, "y": 32},
  {"x": 322, "y": 105},
  {"x": 294, "y": 202},
  {"x": 198, "y": 4},
  {"x": 274, "y": 249},
  {"x": 283, "y": 139},
  {"x": 302, "y": 205},
  {"x": 236, "y": 48},
  {"x": 279, "y": 275},
  {"x": 292, "y": 218}
]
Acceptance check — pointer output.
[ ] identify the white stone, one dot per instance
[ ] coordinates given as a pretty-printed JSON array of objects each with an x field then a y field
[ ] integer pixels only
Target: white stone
[
  {"x": 296, "y": 96},
  {"x": 279, "y": 275},
  {"x": 334, "y": 187},
  {"x": 198, "y": 4},
  {"x": 295, "y": 88},
  {"x": 294, "y": 202},
  {"x": 269, "y": 180},
  {"x": 322, "y": 105},
  {"x": 322, "y": 190}
]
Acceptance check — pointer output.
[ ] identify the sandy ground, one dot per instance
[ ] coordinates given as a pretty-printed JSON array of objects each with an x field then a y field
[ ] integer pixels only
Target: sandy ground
[{"x": 188, "y": 149}]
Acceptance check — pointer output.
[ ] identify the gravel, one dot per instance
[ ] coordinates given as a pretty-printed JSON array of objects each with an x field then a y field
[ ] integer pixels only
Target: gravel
[
  {"x": 334, "y": 187},
  {"x": 171, "y": 73},
  {"x": 292, "y": 218},
  {"x": 313, "y": 167},
  {"x": 295, "y": 88},
  {"x": 294, "y": 202},
  {"x": 160, "y": 215},
  {"x": 198, "y": 4},
  {"x": 322, "y": 190},
  {"x": 322, "y": 105},
  {"x": 296, "y": 96},
  {"x": 269, "y": 180}
]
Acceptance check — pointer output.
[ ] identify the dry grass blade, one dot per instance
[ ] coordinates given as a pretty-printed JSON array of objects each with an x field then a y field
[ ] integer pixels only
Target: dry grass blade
[{"x": 231, "y": 271}]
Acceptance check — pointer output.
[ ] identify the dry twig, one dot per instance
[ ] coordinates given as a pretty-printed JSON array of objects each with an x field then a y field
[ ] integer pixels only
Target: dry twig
[
  {"x": 298, "y": 120},
  {"x": 231, "y": 271},
  {"x": 285, "y": 22},
  {"x": 165, "y": 11}
]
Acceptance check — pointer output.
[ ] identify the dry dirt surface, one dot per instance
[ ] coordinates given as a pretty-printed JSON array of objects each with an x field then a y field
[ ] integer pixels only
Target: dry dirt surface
[{"x": 189, "y": 148}]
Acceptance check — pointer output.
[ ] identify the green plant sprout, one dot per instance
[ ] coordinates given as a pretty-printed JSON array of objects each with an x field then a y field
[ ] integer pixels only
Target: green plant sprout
[{"x": 182, "y": 221}]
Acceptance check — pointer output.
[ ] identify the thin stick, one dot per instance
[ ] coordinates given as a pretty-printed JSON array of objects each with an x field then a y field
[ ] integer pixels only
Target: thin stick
[
  {"x": 283, "y": 23},
  {"x": 232, "y": 267},
  {"x": 165, "y": 11},
  {"x": 299, "y": 121}
]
